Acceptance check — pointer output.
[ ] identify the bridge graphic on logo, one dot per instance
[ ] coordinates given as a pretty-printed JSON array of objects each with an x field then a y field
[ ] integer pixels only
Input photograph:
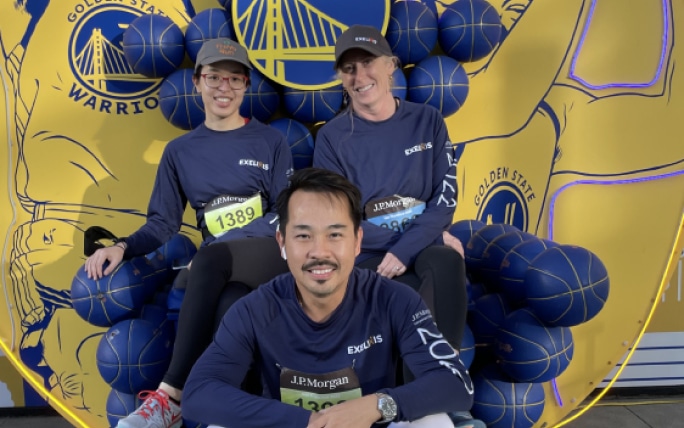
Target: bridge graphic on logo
[
  {"x": 277, "y": 32},
  {"x": 100, "y": 61}
]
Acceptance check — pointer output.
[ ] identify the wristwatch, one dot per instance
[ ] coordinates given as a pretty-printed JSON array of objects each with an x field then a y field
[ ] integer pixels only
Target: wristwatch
[
  {"x": 121, "y": 242},
  {"x": 388, "y": 408}
]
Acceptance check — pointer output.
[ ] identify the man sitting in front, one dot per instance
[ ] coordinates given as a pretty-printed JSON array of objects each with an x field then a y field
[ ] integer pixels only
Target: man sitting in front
[{"x": 326, "y": 337}]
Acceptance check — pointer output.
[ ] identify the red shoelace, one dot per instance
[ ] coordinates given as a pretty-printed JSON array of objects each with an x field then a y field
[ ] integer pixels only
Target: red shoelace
[{"x": 149, "y": 397}]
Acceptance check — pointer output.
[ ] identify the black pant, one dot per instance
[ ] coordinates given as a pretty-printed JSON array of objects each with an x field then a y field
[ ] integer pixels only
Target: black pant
[
  {"x": 220, "y": 274},
  {"x": 438, "y": 275}
]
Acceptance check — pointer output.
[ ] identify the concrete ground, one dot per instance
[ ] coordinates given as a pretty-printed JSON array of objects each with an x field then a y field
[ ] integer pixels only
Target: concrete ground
[{"x": 634, "y": 412}]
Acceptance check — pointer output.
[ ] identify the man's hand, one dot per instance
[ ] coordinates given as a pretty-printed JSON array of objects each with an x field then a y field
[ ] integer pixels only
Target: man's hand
[
  {"x": 453, "y": 242},
  {"x": 358, "y": 413}
]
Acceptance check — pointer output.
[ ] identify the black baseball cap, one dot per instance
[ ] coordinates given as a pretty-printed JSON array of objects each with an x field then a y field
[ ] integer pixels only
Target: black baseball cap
[
  {"x": 222, "y": 49},
  {"x": 364, "y": 37}
]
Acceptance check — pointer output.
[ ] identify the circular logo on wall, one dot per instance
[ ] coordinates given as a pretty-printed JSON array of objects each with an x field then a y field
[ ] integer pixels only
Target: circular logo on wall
[
  {"x": 292, "y": 42},
  {"x": 504, "y": 203},
  {"x": 105, "y": 80}
]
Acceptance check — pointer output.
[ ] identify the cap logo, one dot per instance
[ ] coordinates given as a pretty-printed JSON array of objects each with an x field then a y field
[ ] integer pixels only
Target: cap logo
[
  {"x": 226, "y": 48},
  {"x": 366, "y": 39}
]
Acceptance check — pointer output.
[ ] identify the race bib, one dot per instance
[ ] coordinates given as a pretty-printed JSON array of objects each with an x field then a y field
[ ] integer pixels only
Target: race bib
[
  {"x": 224, "y": 213},
  {"x": 318, "y": 391},
  {"x": 394, "y": 212}
]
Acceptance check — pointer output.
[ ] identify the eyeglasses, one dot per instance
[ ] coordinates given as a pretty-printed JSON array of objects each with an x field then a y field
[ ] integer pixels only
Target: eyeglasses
[
  {"x": 235, "y": 82},
  {"x": 351, "y": 67}
]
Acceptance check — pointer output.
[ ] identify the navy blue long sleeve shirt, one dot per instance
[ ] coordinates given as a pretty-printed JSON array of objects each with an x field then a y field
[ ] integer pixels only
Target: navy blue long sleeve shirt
[
  {"x": 378, "y": 321},
  {"x": 204, "y": 164},
  {"x": 408, "y": 154}
]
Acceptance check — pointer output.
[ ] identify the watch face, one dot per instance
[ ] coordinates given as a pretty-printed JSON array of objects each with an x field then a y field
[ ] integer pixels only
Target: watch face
[{"x": 387, "y": 407}]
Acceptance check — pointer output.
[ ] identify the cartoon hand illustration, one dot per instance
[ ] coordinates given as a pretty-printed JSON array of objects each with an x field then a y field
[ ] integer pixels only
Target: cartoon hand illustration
[
  {"x": 43, "y": 261},
  {"x": 27, "y": 300}
]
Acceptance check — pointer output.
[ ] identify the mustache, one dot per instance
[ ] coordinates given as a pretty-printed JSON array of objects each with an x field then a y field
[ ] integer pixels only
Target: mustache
[{"x": 316, "y": 263}]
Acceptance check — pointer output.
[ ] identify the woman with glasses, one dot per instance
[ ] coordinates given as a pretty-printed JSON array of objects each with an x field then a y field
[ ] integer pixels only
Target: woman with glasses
[
  {"x": 399, "y": 155},
  {"x": 230, "y": 169}
]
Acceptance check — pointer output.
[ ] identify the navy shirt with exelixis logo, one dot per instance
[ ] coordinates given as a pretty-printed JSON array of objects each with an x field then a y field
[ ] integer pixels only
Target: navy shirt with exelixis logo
[
  {"x": 355, "y": 351},
  {"x": 408, "y": 155}
]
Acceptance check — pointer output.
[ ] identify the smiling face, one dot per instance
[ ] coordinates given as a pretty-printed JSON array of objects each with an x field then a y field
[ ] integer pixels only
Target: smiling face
[
  {"x": 366, "y": 78},
  {"x": 320, "y": 244},
  {"x": 221, "y": 104}
]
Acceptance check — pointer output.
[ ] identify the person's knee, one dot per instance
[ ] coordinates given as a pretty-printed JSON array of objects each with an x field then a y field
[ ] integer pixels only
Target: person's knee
[
  {"x": 181, "y": 280},
  {"x": 212, "y": 257},
  {"x": 439, "y": 252},
  {"x": 232, "y": 292},
  {"x": 440, "y": 258}
]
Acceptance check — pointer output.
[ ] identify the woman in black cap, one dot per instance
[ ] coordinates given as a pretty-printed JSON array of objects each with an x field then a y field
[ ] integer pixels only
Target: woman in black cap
[{"x": 399, "y": 155}]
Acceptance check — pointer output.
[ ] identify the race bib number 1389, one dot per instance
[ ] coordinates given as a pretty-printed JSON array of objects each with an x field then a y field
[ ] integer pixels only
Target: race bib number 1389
[{"x": 228, "y": 212}]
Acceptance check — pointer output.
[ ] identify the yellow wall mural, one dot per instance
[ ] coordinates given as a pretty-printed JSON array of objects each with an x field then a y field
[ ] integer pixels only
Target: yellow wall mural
[{"x": 571, "y": 130}]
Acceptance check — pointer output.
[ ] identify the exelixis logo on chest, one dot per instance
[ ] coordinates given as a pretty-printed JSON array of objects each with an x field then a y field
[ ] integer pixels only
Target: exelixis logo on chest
[
  {"x": 293, "y": 41},
  {"x": 104, "y": 80}
]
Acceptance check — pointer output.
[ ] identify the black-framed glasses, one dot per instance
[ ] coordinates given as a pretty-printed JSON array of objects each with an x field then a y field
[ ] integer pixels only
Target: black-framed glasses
[{"x": 236, "y": 82}]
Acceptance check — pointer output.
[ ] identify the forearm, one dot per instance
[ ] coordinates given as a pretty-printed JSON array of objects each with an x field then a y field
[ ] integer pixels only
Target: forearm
[
  {"x": 212, "y": 393},
  {"x": 359, "y": 412},
  {"x": 433, "y": 393},
  {"x": 237, "y": 408},
  {"x": 377, "y": 239},
  {"x": 145, "y": 240}
]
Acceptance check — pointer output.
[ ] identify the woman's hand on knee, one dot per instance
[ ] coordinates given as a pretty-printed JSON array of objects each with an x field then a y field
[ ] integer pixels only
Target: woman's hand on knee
[
  {"x": 391, "y": 266},
  {"x": 453, "y": 242}
]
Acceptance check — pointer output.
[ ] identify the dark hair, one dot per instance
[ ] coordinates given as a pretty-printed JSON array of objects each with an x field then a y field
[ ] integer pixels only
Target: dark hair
[{"x": 317, "y": 180}]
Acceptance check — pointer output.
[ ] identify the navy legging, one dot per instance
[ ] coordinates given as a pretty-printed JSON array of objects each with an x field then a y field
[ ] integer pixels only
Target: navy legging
[
  {"x": 220, "y": 274},
  {"x": 438, "y": 275}
]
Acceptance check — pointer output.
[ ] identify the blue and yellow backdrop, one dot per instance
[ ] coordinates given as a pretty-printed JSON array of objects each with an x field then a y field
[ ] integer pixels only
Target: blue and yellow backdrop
[{"x": 572, "y": 130}]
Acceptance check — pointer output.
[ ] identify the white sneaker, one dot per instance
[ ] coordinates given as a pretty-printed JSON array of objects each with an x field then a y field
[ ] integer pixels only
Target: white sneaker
[{"x": 157, "y": 411}]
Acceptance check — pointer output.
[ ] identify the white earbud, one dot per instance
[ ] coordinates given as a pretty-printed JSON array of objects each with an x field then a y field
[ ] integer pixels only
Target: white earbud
[{"x": 283, "y": 254}]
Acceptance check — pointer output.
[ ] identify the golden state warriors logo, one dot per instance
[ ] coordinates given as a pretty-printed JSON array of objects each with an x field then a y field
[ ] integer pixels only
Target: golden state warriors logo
[
  {"x": 502, "y": 197},
  {"x": 293, "y": 41},
  {"x": 105, "y": 82}
]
